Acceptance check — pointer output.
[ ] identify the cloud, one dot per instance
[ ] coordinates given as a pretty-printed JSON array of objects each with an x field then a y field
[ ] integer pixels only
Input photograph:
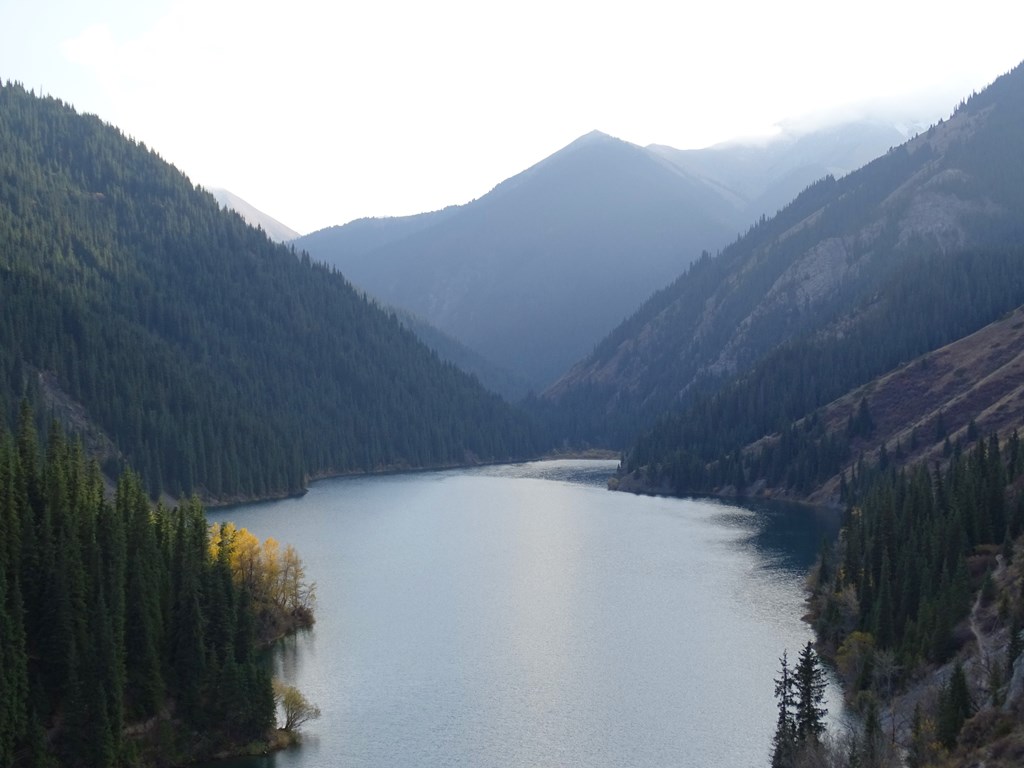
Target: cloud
[{"x": 321, "y": 111}]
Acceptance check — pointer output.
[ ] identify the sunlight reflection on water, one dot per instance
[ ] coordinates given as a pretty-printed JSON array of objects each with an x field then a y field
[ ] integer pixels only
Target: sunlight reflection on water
[{"x": 522, "y": 615}]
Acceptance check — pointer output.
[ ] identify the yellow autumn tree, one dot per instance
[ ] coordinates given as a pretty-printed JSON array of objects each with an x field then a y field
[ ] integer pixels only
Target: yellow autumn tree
[
  {"x": 297, "y": 594},
  {"x": 297, "y": 709},
  {"x": 275, "y": 580}
]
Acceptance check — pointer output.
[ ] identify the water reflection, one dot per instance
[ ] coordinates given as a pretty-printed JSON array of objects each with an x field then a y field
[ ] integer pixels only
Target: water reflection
[
  {"x": 524, "y": 616},
  {"x": 783, "y": 535}
]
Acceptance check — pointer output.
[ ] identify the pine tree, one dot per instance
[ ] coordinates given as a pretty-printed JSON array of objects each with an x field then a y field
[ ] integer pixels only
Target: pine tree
[
  {"x": 884, "y": 632},
  {"x": 187, "y": 644},
  {"x": 784, "y": 743},
  {"x": 13, "y": 654},
  {"x": 955, "y": 707},
  {"x": 809, "y": 685},
  {"x": 144, "y": 630}
]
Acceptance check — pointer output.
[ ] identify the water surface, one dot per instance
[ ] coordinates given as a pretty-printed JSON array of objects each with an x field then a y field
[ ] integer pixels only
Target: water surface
[{"x": 525, "y": 616}]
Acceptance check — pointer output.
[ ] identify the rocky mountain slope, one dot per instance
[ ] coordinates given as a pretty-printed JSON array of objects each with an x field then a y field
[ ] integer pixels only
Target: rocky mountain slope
[
  {"x": 814, "y": 271},
  {"x": 919, "y": 412}
]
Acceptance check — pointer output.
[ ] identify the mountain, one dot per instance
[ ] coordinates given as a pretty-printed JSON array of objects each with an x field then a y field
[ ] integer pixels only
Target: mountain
[
  {"x": 359, "y": 238},
  {"x": 275, "y": 230},
  {"x": 761, "y": 178},
  {"x": 171, "y": 336},
  {"x": 970, "y": 388},
  {"x": 535, "y": 273},
  {"x": 915, "y": 414},
  {"x": 855, "y": 276},
  {"x": 864, "y": 348},
  {"x": 498, "y": 380},
  {"x": 531, "y": 274}
]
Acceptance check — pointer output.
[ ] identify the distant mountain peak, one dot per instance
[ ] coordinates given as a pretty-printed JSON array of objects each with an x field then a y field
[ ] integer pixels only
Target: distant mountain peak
[
  {"x": 275, "y": 230},
  {"x": 585, "y": 148},
  {"x": 593, "y": 137},
  {"x": 532, "y": 274},
  {"x": 816, "y": 272},
  {"x": 596, "y": 139}
]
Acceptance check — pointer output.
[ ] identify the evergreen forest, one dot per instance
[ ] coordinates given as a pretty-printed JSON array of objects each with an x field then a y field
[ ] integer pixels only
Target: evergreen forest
[
  {"x": 899, "y": 317},
  {"x": 125, "y": 635},
  {"x": 928, "y": 567},
  {"x": 180, "y": 342}
]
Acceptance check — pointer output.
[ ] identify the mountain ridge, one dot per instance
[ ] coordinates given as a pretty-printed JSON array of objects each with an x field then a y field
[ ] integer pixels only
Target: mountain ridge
[
  {"x": 797, "y": 272},
  {"x": 500, "y": 273},
  {"x": 534, "y": 273}
]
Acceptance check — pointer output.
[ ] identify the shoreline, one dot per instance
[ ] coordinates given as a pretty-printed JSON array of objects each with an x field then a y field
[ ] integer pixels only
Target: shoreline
[
  {"x": 236, "y": 501},
  {"x": 627, "y": 484}
]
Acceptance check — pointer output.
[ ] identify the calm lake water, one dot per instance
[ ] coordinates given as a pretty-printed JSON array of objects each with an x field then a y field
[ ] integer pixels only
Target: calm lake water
[{"x": 524, "y": 616}]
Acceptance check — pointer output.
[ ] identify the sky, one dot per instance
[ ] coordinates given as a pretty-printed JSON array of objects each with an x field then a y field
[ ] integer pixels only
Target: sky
[{"x": 319, "y": 112}]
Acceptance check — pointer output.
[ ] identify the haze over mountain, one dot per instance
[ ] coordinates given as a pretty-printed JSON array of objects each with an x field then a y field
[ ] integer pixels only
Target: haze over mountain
[
  {"x": 537, "y": 271},
  {"x": 855, "y": 276},
  {"x": 763, "y": 177},
  {"x": 493, "y": 377},
  {"x": 275, "y": 230},
  {"x": 531, "y": 273}
]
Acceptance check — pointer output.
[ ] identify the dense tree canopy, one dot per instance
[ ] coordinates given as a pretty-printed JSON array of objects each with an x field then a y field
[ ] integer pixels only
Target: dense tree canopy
[
  {"x": 215, "y": 360},
  {"x": 914, "y": 547},
  {"x": 916, "y": 555},
  {"x": 113, "y": 613}
]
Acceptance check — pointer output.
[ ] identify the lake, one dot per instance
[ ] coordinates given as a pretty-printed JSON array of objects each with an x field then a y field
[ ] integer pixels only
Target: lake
[{"x": 523, "y": 615}]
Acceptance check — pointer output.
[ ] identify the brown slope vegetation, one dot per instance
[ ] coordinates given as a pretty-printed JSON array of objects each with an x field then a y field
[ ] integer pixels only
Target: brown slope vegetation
[{"x": 936, "y": 397}]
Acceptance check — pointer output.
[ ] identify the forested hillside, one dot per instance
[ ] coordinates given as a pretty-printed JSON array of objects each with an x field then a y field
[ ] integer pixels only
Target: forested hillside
[
  {"x": 123, "y": 636},
  {"x": 855, "y": 276},
  {"x": 790, "y": 427},
  {"x": 500, "y": 380},
  {"x": 185, "y": 344},
  {"x": 919, "y": 608}
]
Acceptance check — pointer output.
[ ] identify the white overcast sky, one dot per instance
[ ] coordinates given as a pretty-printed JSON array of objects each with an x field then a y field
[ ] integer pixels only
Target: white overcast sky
[{"x": 319, "y": 112}]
